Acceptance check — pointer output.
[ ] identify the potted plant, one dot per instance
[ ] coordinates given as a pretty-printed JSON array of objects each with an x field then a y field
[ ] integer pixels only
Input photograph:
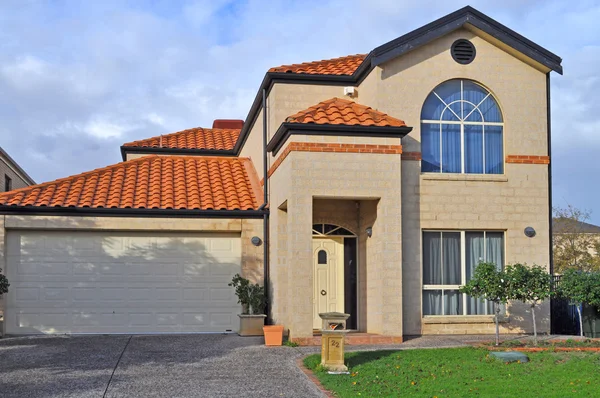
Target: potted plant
[{"x": 252, "y": 298}]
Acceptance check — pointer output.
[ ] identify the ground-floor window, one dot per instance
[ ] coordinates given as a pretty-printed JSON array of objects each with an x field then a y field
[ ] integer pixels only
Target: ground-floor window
[{"x": 449, "y": 261}]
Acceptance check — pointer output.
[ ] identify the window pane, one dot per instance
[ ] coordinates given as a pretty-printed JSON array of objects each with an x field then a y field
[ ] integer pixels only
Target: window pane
[
  {"x": 322, "y": 257},
  {"x": 494, "y": 242},
  {"x": 430, "y": 147},
  {"x": 473, "y": 92},
  {"x": 452, "y": 112},
  {"x": 494, "y": 162},
  {"x": 451, "y": 152},
  {"x": 449, "y": 91},
  {"x": 432, "y": 109},
  {"x": 470, "y": 113},
  {"x": 432, "y": 302},
  {"x": 451, "y": 258},
  {"x": 474, "y": 246},
  {"x": 477, "y": 306},
  {"x": 318, "y": 227},
  {"x": 491, "y": 111},
  {"x": 432, "y": 263},
  {"x": 473, "y": 149},
  {"x": 453, "y": 303}
]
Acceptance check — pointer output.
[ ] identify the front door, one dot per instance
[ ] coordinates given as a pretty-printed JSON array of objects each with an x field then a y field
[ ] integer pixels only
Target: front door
[{"x": 328, "y": 272}]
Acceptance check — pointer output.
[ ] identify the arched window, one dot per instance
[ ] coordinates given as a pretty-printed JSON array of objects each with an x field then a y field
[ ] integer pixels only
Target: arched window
[{"x": 461, "y": 130}]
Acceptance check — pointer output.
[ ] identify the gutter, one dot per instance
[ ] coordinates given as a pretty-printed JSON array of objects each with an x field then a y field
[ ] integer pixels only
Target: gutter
[
  {"x": 549, "y": 130},
  {"x": 112, "y": 212},
  {"x": 266, "y": 214}
]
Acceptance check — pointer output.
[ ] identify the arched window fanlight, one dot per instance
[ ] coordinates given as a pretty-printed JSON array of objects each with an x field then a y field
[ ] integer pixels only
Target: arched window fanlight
[
  {"x": 322, "y": 257},
  {"x": 330, "y": 230},
  {"x": 461, "y": 130}
]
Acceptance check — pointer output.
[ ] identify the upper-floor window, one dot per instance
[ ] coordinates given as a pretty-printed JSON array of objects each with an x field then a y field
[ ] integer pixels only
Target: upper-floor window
[
  {"x": 7, "y": 183},
  {"x": 461, "y": 130}
]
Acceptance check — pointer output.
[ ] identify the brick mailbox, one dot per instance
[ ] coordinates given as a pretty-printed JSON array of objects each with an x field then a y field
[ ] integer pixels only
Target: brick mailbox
[{"x": 333, "y": 332}]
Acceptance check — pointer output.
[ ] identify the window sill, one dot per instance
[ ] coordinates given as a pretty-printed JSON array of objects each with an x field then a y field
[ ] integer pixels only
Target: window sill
[
  {"x": 438, "y": 319},
  {"x": 464, "y": 177}
]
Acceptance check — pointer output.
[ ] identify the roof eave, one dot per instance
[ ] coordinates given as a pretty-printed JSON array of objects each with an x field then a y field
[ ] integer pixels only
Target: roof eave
[
  {"x": 288, "y": 129},
  {"x": 130, "y": 212}
]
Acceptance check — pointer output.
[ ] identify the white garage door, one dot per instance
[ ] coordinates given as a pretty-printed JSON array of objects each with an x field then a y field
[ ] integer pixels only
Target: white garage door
[{"x": 107, "y": 282}]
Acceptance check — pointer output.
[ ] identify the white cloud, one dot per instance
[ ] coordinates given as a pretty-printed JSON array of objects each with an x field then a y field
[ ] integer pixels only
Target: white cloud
[{"x": 106, "y": 128}]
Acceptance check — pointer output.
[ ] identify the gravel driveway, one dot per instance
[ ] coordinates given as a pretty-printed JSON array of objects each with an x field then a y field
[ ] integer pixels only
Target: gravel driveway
[{"x": 150, "y": 366}]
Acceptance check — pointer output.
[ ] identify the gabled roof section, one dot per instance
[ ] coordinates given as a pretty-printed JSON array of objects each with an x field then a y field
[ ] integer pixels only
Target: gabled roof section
[
  {"x": 195, "y": 138},
  {"x": 338, "y": 117},
  {"x": 456, "y": 20},
  {"x": 150, "y": 183},
  {"x": 344, "y": 112},
  {"x": 337, "y": 66}
]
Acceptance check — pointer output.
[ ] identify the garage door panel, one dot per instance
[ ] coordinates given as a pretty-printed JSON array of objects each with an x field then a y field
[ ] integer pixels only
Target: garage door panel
[{"x": 120, "y": 283}]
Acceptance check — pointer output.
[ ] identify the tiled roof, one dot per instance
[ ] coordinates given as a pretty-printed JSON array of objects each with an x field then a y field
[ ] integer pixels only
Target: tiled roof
[
  {"x": 196, "y": 138},
  {"x": 151, "y": 182},
  {"x": 342, "y": 111},
  {"x": 338, "y": 66}
]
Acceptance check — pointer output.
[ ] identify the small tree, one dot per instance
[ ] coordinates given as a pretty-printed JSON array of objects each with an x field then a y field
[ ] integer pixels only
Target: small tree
[
  {"x": 531, "y": 285},
  {"x": 572, "y": 246},
  {"x": 577, "y": 287},
  {"x": 3, "y": 283},
  {"x": 488, "y": 283}
]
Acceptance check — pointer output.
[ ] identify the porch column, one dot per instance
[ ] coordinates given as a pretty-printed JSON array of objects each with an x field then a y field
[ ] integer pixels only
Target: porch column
[{"x": 300, "y": 266}]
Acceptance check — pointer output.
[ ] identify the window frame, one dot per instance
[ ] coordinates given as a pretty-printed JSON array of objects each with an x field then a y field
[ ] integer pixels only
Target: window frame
[
  {"x": 7, "y": 183},
  {"x": 463, "y": 267},
  {"x": 462, "y": 124}
]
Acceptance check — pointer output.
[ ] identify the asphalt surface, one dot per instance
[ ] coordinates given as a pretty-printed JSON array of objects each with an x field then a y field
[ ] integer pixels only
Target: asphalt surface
[{"x": 150, "y": 366}]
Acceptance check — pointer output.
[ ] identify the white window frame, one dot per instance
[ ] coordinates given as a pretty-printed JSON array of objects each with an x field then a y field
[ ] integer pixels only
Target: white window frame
[
  {"x": 462, "y": 124},
  {"x": 463, "y": 266}
]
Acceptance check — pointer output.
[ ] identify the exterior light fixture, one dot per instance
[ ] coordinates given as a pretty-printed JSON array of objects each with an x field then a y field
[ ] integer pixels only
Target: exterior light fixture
[
  {"x": 369, "y": 231},
  {"x": 256, "y": 241},
  {"x": 529, "y": 232}
]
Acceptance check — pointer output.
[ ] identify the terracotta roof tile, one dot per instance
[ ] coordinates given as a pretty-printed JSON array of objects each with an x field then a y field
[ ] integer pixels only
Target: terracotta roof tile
[
  {"x": 196, "y": 138},
  {"x": 341, "y": 111},
  {"x": 151, "y": 182},
  {"x": 338, "y": 66}
]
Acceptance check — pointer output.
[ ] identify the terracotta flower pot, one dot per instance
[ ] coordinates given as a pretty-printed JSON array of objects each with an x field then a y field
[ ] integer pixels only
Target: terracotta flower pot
[{"x": 273, "y": 334}]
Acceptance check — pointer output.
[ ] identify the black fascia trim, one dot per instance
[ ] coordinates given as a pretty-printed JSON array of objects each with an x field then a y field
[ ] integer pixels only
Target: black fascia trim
[
  {"x": 175, "y": 151},
  {"x": 456, "y": 20},
  {"x": 111, "y": 212},
  {"x": 288, "y": 129}
]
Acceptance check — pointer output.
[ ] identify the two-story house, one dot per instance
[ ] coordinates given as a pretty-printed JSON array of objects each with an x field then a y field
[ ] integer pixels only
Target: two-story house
[
  {"x": 11, "y": 174},
  {"x": 371, "y": 184}
]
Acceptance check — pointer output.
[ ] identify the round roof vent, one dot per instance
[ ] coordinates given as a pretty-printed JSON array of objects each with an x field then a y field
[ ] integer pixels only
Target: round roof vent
[{"x": 463, "y": 51}]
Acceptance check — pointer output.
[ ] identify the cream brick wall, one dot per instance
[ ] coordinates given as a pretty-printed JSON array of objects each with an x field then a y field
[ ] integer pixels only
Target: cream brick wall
[
  {"x": 311, "y": 176},
  {"x": 253, "y": 148}
]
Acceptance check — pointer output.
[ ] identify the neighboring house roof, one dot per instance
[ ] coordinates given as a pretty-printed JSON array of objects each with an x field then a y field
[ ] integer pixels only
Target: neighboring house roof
[
  {"x": 195, "y": 138},
  {"x": 16, "y": 168},
  {"x": 567, "y": 225},
  {"x": 150, "y": 182},
  {"x": 342, "y": 111},
  {"x": 337, "y": 66}
]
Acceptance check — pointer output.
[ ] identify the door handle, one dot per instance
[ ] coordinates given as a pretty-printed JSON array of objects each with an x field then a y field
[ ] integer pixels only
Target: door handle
[{"x": 323, "y": 293}]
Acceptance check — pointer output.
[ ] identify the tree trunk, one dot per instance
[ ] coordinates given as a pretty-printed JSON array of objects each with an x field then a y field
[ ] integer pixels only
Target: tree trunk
[
  {"x": 580, "y": 320},
  {"x": 497, "y": 305},
  {"x": 534, "y": 325}
]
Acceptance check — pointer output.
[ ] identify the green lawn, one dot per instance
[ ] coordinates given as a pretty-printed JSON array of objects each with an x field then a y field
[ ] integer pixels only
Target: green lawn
[{"x": 462, "y": 372}]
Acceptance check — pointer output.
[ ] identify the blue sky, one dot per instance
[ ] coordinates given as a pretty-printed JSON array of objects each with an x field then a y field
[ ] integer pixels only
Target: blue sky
[{"x": 79, "y": 78}]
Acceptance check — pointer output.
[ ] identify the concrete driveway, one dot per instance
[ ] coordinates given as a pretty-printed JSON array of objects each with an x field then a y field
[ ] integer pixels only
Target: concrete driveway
[{"x": 150, "y": 366}]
